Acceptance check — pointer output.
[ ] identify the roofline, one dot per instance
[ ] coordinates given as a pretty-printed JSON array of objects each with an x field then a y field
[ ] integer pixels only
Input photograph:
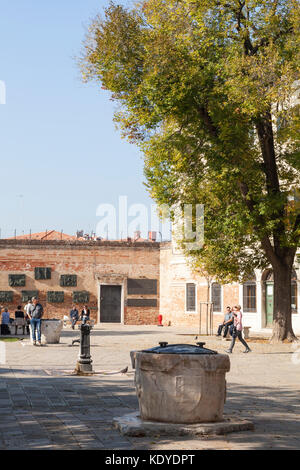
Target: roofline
[{"x": 4, "y": 243}]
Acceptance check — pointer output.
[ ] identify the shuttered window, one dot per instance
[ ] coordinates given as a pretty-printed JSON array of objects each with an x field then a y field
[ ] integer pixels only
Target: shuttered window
[
  {"x": 294, "y": 297},
  {"x": 190, "y": 297},
  {"x": 216, "y": 297},
  {"x": 249, "y": 297}
]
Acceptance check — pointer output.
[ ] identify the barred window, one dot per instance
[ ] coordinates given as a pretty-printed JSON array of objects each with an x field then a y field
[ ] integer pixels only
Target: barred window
[
  {"x": 294, "y": 292},
  {"x": 249, "y": 294},
  {"x": 249, "y": 297},
  {"x": 190, "y": 297},
  {"x": 216, "y": 297}
]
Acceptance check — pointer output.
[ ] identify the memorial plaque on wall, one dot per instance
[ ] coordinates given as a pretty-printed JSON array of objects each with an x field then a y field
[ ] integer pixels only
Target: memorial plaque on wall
[
  {"x": 6, "y": 296},
  {"x": 55, "y": 296},
  {"x": 81, "y": 297},
  {"x": 42, "y": 273},
  {"x": 141, "y": 302},
  {"x": 142, "y": 286},
  {"x": 16, "y": 280},
  {"x": 68, "y": 280},
  {"x": 28, "y": 294}
]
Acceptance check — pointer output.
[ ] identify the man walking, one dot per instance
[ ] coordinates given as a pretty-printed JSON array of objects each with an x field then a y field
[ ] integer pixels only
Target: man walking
[
  {"x": 237, "y": 330},
  {"x": 35, "y": 312}
]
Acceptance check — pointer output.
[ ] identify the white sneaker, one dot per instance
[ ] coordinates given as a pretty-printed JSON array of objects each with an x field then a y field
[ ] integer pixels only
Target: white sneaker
[
  {"x": 33, "y": 343},
  {"x": 38, "y": 343}
]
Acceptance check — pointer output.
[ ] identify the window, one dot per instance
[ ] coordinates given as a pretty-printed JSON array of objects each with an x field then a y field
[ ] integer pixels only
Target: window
[
  {"x": 249, "y": 297},
  {"x": 216, "y": 297},
  {"x": 190, "y": 297},
  {"x": 249, "y": 294},
  {"x": 294, "y": 292}
]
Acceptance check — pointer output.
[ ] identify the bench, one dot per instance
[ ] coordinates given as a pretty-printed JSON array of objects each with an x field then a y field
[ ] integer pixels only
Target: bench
[{"x": 246, "y": 331}]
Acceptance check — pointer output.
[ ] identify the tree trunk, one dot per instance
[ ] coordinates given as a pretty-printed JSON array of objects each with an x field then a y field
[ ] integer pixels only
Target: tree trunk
[{"x": 282, "y": 324}]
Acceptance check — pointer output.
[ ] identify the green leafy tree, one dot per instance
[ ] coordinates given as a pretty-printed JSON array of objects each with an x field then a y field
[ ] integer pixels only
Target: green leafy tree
[{"x": 209, "y": 91}]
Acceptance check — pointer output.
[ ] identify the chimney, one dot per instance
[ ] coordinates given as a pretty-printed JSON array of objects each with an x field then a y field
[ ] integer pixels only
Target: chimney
[
  {"x": 137, "y": 234},
  {"x": 152, "y": 236}
]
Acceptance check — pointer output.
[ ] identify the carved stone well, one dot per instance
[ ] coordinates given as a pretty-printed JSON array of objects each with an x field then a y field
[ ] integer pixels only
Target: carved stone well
[
  {"x": 51, "y": 331},
  {"x": 180, "y": 383}
]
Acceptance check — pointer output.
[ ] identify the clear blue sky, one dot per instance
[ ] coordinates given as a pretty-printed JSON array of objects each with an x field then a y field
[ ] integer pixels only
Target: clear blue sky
[{"x": 59, "y": 146}]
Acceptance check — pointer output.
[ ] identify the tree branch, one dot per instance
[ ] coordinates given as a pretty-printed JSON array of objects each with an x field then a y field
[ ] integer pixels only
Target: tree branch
[
  {"x": 265, "y": 241},
  {"x": 205, "y": 117}
]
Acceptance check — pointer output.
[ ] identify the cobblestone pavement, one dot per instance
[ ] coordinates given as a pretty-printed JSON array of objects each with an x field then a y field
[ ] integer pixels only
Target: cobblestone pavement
[{"x": 42, "y": 407}]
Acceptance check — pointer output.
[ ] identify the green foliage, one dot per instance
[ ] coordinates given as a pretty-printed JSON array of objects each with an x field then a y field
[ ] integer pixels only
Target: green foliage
[{"x": 209, "y": 90}]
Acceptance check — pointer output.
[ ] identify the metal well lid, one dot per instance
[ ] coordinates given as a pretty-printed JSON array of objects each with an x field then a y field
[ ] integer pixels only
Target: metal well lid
[{"x": 165, "y": 348}]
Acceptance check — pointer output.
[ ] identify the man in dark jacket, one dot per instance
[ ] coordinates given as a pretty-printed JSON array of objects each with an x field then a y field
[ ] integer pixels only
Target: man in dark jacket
[
  {"x": 35, "y": 312},
  {"x": 74, "y": 315}
]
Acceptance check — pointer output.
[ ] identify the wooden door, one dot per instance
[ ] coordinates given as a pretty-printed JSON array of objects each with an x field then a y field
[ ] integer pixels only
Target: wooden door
[{"x": 110, "y": 304}]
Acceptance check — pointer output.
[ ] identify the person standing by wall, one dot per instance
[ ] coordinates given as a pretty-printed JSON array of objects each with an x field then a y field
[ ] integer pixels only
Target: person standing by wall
[
  {"x": 35, "y": 313},
  {"x": 237, "y": 330},
  {"x": 27, "y": 317}
]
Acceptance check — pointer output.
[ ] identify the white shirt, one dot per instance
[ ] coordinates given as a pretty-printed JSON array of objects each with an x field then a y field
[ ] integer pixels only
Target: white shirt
[{"x": 27, "y": 307}]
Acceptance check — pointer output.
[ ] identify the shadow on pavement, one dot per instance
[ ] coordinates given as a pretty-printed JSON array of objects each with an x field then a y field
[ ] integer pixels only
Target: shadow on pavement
[{"x": 53, "y": 402}]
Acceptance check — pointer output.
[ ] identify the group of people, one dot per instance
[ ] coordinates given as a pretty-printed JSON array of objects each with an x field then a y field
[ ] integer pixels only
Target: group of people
[
  {"x": 33, "y": 312},
  {"x": 233, "y": 323},
  {"x": 32, "y": 315},
  {"x": 74, "y": 315}
]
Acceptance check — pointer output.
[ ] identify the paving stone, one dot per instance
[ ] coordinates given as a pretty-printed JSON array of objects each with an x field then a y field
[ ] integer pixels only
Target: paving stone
[{"x": 58, "y": 410}]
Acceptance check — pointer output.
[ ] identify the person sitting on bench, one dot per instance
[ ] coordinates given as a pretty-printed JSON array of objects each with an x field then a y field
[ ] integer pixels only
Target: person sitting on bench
[
  {"x": 19, "y": 319},
  {"x": 5, "y": 321},
  {"x": 85, "y": 315},
  {"x": 228, "y": 321}
]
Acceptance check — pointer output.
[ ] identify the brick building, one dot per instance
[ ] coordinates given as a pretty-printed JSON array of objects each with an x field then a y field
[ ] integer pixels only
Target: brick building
[
  {"x": 182, "y": 291},
  {"x": 118, "y": 280},
  {"x": 128, "y": 282}
]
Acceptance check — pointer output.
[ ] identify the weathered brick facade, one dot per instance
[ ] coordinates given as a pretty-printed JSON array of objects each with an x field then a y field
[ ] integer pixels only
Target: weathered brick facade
[
  {"x": 152, "y": 279},
  {"x": 93, "y": 262}
]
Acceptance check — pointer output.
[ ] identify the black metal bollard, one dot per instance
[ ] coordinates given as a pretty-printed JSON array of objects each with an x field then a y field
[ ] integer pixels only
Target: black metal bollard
[{"x": 84, "y": 359}]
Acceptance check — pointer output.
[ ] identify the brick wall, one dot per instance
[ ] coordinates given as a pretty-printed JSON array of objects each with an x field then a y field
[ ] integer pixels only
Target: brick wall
[{"x": 90, "y": 261}]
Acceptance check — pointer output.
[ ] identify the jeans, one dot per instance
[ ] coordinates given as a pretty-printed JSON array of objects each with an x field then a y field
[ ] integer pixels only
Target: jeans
[
  {"x": 36, "y": 325},
  {"x": 226, "y": 328},
  {"x": 74, "y": 320},
  {"x": 238, "y": 334},
  {"x": 5, "y": 329}
]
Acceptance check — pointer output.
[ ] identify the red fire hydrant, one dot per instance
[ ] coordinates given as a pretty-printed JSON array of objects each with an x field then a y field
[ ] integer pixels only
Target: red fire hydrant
[{"x": 160, "y": 320}]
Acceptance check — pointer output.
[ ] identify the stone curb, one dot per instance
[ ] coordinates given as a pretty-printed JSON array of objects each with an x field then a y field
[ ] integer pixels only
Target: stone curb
[{"x": 132, "y": 425}]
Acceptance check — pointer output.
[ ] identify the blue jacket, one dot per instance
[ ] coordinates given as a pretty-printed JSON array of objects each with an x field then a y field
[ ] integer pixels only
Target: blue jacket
[{"x": 74, "y": 314}]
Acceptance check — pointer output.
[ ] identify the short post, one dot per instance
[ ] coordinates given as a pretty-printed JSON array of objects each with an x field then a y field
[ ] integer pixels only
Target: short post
[
  {"x": 246, "y": 331},
  {"x": 84, "y": 363}
]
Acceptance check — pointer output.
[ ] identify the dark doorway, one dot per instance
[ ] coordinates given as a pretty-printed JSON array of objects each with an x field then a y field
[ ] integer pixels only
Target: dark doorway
[{"x": 110, "y": 304}]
